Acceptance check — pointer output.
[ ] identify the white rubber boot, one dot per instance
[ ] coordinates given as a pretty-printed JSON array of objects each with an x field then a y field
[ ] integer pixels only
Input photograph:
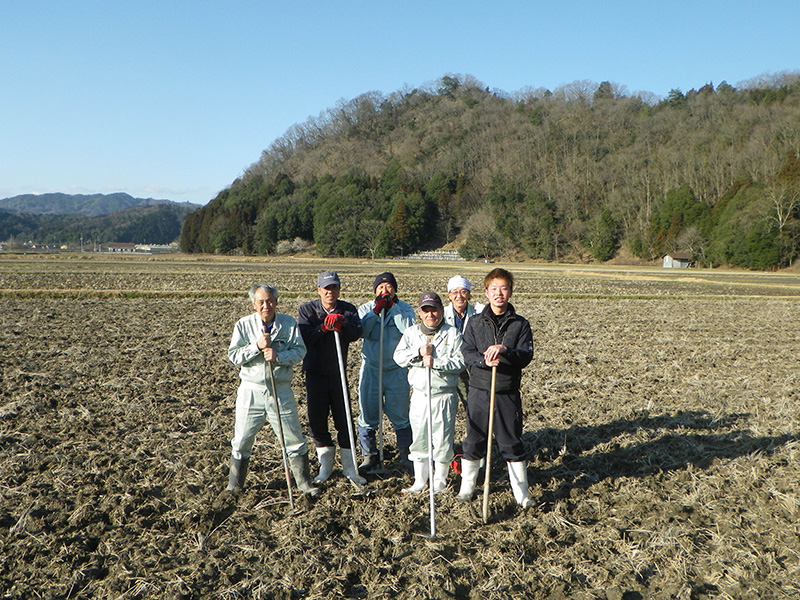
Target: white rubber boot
[
  {"x": 421, "y": 471},
  {"x": 518, "y": 476},
  {"x": 325, "y": 454},
  {"x": 348, "y": 470},
  {"x": 440, "y": 472},
  {"x": 469, "y": 474}
]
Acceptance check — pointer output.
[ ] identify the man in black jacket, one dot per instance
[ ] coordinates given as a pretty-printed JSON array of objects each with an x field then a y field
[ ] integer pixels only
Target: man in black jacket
[
  {"x": 318, "y": 320},
  {"x": 498, "y": 338}
]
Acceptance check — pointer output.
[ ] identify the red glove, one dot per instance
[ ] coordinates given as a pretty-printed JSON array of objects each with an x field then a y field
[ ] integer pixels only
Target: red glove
[
  {"x": 383, "y": 302},
  {"x": 333, "y": 322},
  {"x": 455, "y": 464}
]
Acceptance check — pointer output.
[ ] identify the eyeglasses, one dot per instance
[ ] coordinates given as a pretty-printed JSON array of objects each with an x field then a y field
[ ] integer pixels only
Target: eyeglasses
[{"x": 464, "y": 293}]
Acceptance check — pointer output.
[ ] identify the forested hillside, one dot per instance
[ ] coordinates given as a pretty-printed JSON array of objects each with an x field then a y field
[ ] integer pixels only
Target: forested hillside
[
  {"x": 570, "y": 174},
  {"x": 157, "y": 224}
]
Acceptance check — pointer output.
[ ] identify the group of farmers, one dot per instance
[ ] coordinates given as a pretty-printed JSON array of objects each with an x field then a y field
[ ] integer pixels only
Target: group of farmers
[{"x": 413, "y": 373}]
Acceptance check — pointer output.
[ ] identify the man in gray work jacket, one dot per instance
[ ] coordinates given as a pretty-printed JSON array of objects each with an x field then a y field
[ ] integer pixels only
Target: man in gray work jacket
[{"x": 265, "y": 345}]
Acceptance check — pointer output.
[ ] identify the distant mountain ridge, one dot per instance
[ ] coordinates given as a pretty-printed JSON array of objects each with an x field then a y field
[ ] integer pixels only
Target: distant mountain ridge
[
  {"x": 65, "y": 218},
  {"x": 88, "y": 205}
]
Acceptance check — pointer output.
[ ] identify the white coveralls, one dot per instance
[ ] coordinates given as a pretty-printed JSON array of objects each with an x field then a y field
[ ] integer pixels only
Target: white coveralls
[
  {"x": 254, "y": 402},
  {"x": 447, "y": 364}
]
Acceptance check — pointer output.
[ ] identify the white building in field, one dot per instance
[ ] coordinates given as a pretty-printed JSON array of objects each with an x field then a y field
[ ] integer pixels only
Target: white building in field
[
  {"x": 676, "y": 260},
  {"x": 120, "y": 247},
  {"x": 156, "y": 248},
  {"x": 141, "y": 248}
]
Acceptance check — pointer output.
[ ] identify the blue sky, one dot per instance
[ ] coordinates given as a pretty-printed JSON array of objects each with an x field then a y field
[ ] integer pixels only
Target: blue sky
[{"x": 175, "y": 99}]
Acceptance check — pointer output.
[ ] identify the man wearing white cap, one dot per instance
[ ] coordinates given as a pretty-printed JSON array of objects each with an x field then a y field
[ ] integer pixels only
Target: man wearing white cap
[{"x": 457, "y": 313}]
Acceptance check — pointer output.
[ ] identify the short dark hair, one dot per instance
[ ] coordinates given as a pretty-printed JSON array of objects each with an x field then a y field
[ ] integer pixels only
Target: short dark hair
[{"x": 498, "y": 273}]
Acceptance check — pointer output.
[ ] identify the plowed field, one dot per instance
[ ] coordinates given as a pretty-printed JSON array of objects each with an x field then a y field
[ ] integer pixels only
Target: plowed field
[{"x": 661, "y": 427}]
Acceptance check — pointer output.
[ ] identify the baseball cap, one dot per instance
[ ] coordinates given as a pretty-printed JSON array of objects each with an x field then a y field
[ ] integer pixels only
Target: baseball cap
[
  {"x": 430, "y": 299},
  {"x": 328, "y": 278}
]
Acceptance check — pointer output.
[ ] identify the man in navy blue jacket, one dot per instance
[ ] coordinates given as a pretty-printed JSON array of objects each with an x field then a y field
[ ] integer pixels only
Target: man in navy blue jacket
[
  {"x": 318, "y": 320},
  {"x": 497, "y": 338}
]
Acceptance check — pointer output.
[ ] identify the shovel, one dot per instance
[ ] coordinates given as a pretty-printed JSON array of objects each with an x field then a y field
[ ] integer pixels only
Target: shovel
[
  {"x": 362, "y": 490},
  {"x": 380, "y": 469},
  {"x": 280, "y": 428},
  {"x": 430, "y": 457},
  {"x": 489, "y": 448}
]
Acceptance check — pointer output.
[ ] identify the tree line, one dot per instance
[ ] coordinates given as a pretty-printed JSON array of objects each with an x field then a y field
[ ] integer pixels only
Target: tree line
[
  {"x": 153, "y": 224},
  {"x": 581, "y": 172}
]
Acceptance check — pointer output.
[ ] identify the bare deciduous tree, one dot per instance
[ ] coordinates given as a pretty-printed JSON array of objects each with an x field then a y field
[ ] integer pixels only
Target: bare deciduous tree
[
  {"x": 369, "y": 235},
  {"x": 785, "y": 200}
]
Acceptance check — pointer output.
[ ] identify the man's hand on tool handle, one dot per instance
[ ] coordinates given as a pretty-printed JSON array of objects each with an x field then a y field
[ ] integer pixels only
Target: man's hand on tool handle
[
  {"x": 426, "y": 352},
  {"x": 492, "y": 355},
  {"x": 264, "y": 344}
]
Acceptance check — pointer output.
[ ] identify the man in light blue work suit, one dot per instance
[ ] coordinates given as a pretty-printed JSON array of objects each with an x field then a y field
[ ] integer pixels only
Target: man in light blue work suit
[{"x": 397, "y": 317}]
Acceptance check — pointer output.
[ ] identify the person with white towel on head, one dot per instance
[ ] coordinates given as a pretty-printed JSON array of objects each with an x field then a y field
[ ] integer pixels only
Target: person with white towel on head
[{"x": 457, "y": 314}]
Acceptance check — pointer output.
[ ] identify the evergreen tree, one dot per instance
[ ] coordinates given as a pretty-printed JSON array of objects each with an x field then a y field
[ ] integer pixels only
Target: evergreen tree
[
  {"x": 604, "y": 237},
  {"x": 400, "y": 229}
]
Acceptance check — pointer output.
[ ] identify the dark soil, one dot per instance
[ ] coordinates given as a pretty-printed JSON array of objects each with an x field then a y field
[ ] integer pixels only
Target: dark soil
[{"x": 660, "y": 429}]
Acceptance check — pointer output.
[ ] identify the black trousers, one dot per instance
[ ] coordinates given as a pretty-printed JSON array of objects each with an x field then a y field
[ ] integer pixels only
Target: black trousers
[
  {"x": 323, "y": 399},
  {"x": 507, "y": 425}
]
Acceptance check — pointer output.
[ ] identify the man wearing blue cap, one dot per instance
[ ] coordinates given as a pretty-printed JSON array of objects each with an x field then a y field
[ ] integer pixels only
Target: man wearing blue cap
[
  {"x": 318, "y": 320},
  {"x": 397, "y": 317}
]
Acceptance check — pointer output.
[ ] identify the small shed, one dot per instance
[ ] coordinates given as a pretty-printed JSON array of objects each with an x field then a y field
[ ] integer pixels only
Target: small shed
[{"x": 676, "y": 260}]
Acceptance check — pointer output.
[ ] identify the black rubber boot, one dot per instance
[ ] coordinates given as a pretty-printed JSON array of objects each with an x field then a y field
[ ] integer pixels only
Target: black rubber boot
[
  {"x": 369, "y": 450},
  {"x": 302, "y": 475},
  {"x": 370, "y": 462},
  {"x": 237, "y": 473}
]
